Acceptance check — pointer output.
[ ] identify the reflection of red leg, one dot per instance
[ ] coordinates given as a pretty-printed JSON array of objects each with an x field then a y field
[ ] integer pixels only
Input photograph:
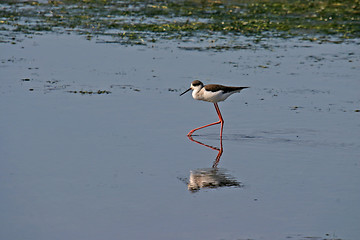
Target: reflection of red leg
[
  {"x": 217, "y": 160},
  {"x": 221, "y": 120},
  {"x": 220, "y": 150}
]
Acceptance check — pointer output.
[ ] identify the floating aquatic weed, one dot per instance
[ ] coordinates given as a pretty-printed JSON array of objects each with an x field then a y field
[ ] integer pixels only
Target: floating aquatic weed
[{"x": 91, "y": 92}]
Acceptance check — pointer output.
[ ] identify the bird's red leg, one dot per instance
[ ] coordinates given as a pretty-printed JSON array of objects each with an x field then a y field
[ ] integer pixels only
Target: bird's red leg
[
  {"x": 220, "y": 121},
  {"x": 220, "y": 118}
]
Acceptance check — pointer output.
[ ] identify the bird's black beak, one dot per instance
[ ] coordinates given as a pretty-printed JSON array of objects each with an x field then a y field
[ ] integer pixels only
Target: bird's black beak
[{"x": 185, "y": 92}]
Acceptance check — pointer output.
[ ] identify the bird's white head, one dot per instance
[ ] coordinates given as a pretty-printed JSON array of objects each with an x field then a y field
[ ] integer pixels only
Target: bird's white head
[{"x": 195, "y": 85}]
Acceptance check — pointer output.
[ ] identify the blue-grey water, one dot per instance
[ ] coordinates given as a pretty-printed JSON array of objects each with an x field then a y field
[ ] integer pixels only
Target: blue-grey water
[{"x": 119, "y": 165}]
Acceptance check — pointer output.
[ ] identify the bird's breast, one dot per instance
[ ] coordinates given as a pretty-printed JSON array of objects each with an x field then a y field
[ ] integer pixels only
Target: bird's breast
[{"x": 213, "y": 97}]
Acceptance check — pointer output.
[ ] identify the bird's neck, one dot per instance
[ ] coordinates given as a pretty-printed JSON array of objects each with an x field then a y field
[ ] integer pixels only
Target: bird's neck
[{"x": 198, "y": 93}]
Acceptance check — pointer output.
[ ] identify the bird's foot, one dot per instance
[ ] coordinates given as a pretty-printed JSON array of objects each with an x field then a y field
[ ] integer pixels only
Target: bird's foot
[{"x": 190, "y": 133}]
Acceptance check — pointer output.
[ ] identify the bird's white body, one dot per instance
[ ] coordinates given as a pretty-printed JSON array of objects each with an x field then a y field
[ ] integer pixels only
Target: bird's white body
[
  {"x": 208, "y": 96},
  {"x": 212, "y": 92}
]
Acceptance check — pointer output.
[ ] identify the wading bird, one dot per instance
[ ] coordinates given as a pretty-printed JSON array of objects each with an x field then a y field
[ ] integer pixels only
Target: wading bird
[{"x": 211, "y": 93}]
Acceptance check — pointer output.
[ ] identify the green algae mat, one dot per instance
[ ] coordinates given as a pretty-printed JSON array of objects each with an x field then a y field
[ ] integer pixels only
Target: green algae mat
[{"x": 142, "y": 22}]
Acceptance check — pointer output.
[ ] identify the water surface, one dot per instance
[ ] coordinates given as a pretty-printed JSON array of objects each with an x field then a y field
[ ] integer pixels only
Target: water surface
[{"x": 113, "y": 161}]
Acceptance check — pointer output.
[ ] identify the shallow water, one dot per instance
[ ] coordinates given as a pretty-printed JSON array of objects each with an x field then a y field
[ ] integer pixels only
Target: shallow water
[{"x": 117, "y": 165}]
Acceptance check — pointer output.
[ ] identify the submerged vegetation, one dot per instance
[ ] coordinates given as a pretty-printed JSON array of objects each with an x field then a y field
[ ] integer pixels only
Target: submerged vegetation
[{"x": 140, "y": 22}]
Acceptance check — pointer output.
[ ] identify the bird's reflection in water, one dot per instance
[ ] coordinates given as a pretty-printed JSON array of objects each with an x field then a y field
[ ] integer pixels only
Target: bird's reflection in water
[{"x": 211, "y": 177}]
